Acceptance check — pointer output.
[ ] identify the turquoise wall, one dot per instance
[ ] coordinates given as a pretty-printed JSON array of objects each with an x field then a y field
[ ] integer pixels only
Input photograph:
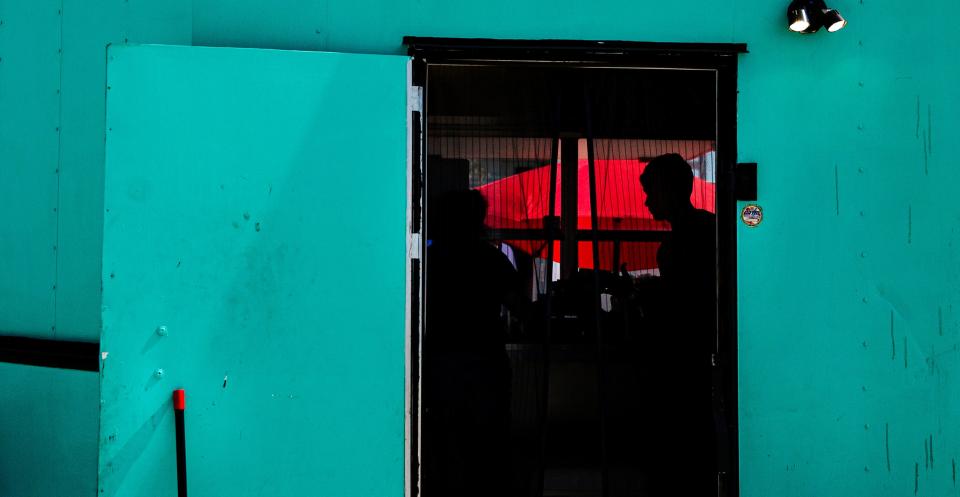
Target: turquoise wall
[
  {"x": 849, "y": 290},
  {"x": 48, "y": 426},
  {"x": 849, "y": 301},
  {"x": 52, "y": 73}
]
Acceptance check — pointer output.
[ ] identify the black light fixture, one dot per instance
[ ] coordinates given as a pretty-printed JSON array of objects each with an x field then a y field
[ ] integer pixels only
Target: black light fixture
[
  {"x": 798, "y": 17},
  {"x": 808, "y": 16},
  {"x": 833, "y": 21}
]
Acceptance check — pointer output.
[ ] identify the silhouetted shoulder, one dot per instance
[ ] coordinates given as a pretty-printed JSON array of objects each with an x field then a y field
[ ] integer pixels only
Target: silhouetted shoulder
[
  {"x": 695, "y": 227},
  {"x": 702, "y": 217}
]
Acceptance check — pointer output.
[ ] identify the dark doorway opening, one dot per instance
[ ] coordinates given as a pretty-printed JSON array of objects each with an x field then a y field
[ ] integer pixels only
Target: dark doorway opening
[{"x": 554, "y": 356}]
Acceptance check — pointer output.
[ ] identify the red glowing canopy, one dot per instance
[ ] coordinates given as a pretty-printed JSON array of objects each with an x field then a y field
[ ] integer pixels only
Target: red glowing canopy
[{"x": 521, "y": 201}]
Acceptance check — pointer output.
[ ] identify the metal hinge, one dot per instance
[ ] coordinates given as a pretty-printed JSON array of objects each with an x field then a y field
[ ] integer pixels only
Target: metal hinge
[
  {"x": 414, "y": 247},
  {"x": 415, "y": 98}
]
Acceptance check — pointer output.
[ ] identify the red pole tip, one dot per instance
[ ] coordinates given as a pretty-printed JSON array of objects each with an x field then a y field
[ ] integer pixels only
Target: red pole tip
[{"x": 179, "y": 400}]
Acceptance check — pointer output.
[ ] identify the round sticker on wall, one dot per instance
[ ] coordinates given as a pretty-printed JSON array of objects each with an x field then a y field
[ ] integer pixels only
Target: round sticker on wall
[{"x": 752, "y": 215}]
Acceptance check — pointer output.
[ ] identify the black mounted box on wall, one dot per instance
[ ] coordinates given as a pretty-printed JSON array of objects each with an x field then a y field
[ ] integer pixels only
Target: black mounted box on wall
[{"x": 745, "y": 181}]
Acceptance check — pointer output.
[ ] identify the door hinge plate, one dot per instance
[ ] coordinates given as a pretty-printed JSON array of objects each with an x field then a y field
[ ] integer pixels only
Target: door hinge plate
[
  {"x": 415, "y": 98},
  {"x": 414, "y": 246}
]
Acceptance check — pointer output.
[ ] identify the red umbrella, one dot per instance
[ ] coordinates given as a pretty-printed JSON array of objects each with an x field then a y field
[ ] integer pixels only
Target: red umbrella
[{"x": 522, "y": 200}]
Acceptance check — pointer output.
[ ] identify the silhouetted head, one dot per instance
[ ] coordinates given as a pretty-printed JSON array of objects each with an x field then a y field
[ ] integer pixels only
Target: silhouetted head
[
  {"x": 668, "y": 182},
  {"x": 461, "y": 215}
]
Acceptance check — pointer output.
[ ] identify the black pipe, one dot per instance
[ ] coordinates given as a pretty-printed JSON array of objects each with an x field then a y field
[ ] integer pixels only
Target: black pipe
[{"x": 179, "y": 405}]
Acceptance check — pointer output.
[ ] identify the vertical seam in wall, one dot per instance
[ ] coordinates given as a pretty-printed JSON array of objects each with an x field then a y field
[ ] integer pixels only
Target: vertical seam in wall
[
  {"x": 102, "y": 358},
  {"x": 56, "y": 258}
]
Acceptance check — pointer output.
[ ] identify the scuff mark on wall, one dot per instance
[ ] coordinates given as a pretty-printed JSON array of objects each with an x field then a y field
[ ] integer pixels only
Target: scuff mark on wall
[
  {"x": 925, "y": 136},
  {"x": 940, "y": 320},
  {"x": 886, "y": 443},
  {"x": 916, "y": 477},
  {"x": 893, "y": 340}
]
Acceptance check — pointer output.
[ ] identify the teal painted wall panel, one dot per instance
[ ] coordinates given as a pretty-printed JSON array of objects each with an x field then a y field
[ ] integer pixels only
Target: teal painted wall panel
[
  {"x": 255, "y": 205},
  {"x": 849, "y": 337},
  {"x": 52, "y": 72},
  {"x": 30, "y": 110},
  {"x": 48, "y": 432},
  {"x": 87, "y": 29},
  {"x": 51, "y": 121}
]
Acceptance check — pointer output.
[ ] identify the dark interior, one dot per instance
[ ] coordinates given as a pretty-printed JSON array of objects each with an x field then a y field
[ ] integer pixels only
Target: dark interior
[
  {"x": 582, "y": 352},
  {"x": 536, "y": 100}
]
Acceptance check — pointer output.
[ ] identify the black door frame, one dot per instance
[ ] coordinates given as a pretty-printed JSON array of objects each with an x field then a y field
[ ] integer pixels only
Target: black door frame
[{"x": 720, "y": 57}]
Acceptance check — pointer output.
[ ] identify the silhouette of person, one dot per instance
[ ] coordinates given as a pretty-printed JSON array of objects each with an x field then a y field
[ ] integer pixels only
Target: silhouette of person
[
  {"x": 685, "y": 453},
  {"x": 466, "y": 368}
]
